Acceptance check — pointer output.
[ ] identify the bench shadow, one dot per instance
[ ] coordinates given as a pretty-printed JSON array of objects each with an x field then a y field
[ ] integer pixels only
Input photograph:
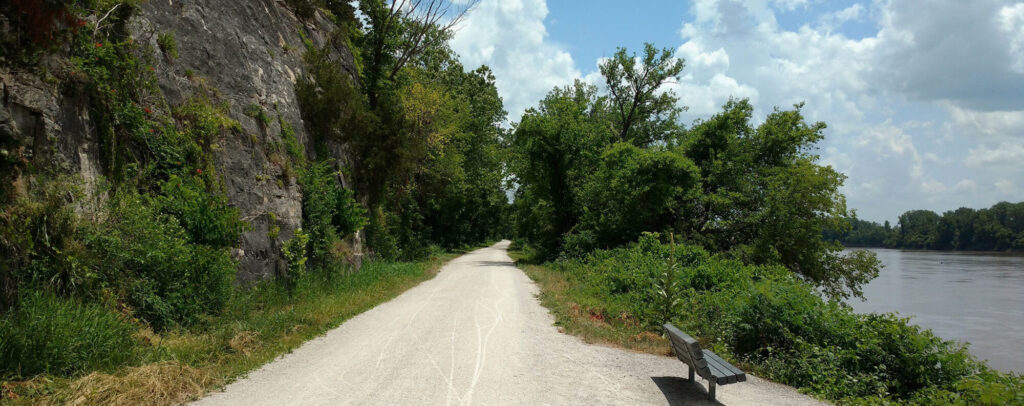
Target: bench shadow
[{"x": 679, "y": 391}]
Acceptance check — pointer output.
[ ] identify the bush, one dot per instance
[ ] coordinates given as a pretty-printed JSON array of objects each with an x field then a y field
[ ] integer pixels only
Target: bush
[
  {"x": 47, "y": 334},
  {"x": 147, "y": 256},
  {"x": 329, "y": 210},
  {"x": 767, "y": 318},
  {"x": 37, "y": 243},
  {"x": 206, "y": 215},
  {"x": 294, "y": 253}
]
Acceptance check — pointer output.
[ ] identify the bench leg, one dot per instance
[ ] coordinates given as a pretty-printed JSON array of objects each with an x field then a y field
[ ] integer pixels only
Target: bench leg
[
  {"x": 691, "y": 373},
  {"x": 711, "y": 390}
]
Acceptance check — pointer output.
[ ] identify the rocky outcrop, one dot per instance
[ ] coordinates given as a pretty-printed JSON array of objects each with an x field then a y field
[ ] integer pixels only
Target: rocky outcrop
[{"x": 249, "y": 52}]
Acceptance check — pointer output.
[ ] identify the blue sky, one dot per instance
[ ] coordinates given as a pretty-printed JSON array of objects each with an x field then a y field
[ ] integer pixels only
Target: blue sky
[{"x": 924, "y": 98}]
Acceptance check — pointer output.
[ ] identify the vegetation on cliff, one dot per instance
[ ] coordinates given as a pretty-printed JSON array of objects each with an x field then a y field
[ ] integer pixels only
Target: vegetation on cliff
[{"x": 136, "y": 267}]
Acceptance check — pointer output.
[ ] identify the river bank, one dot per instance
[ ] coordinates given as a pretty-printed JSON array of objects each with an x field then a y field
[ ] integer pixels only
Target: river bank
[{"x": 974, "y": 297}]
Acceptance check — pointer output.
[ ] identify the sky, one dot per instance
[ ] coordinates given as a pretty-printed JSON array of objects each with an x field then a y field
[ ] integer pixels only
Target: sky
[{"x": 924, "y": 99}]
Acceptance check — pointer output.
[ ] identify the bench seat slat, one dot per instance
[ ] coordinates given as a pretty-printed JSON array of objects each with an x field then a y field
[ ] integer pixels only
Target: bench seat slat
[
  {"x": 727, "y": 373},
  {"x": 720, "y": 374}
]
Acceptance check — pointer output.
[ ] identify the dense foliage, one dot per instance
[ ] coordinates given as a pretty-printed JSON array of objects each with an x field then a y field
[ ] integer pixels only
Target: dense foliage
[
  {"x": 765, "y": 318},
  {"x": 998, "y": 228},
  {"x": 424, "y": 135},
  {"x": 595, "y": 171}
]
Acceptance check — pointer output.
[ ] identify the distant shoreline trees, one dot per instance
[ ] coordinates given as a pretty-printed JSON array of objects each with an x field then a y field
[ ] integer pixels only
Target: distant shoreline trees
[{"x": 998, "y": 228}]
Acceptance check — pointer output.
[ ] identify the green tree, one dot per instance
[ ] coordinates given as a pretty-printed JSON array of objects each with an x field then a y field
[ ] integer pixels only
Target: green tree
[
  {"x": 643, "y": 115},
  {"x": 764, "y": 197},
  {"x": 399, "y": 32},
  {"x": 632, "y": 190},
  {"x": 555, "y": 147},
  {"x": 918, "y": 229}
]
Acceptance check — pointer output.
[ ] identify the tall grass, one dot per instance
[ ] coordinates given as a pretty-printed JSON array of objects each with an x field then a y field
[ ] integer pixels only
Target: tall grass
[{"x": 47, "y": 334}]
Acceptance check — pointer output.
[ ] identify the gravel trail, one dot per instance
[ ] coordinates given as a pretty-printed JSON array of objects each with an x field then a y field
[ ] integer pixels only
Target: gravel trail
[{"x": 475, "y": 334}]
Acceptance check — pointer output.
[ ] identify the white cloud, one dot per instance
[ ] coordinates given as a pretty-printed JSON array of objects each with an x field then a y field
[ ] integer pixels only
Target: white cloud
[
  {"x": 1006, "y": 187},
  {"x": 933, "y": 187},
  {"x": 1004, "y": 154},
  {"x": 966, "y": 186},
  {"x": 987, "y": 124},
  {"x": 510, "y": 37},
  {"x": 790, "y": 4},
  {"x": 921, "y": 55},
  {"x": 828, "y": 22},
  {"x": 1011, "y": 21},
  {"x": 890, "y": 141}
]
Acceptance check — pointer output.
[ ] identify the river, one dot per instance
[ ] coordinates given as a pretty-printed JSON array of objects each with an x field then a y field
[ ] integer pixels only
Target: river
[{"x": 971, "y": 297}]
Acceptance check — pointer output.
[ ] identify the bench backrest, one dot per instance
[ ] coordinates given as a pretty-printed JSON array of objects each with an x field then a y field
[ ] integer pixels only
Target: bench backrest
[{"x": 687, "y": 350}]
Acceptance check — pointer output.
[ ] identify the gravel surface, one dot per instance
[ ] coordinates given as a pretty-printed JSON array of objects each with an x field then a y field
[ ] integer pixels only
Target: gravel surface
[{"x": 476, "y": 334}]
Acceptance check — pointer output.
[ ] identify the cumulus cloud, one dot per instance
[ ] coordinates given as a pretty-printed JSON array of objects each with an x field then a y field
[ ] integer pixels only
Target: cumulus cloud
[
  {"x": 1006, "y": 187},
  {"x": 1011, "y": 21},
  {"x": 1004, "y": 154},
  {"x": 966, "y": 186},
  {"x": 828, "y": 22},
  {"x": 987, "y": 124},
  {"x": 510, "y": 37},
  {"x": 922, "y": 55}
]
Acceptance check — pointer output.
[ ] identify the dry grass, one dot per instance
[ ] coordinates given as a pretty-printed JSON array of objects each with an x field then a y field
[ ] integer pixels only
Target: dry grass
[
  {"x": 163, "y": 383},
  {"x": 560, "y": 296},
  {"x": 245, "y": 342}
]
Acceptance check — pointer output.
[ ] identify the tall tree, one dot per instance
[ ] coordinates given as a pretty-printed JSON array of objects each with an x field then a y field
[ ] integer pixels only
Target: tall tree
[
  {"x": 556, "y": 145},
  {"x": 644, "y": 112},
  {"x": 402, "y": 30}
]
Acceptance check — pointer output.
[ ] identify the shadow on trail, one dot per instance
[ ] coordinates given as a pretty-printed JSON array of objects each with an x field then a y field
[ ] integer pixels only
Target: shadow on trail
[
  {"x": 679, "y": 391},
  {"x": 495, "y": 263}
]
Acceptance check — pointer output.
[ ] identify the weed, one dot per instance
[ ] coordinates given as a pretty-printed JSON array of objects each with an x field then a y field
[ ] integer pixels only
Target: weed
[
  {"x": 256, "y": 111},
  {"x": 168, "y": 45}
]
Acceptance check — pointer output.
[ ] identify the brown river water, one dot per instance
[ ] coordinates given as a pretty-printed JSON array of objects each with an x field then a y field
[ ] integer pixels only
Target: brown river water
[{"x": 972, "y": 297}]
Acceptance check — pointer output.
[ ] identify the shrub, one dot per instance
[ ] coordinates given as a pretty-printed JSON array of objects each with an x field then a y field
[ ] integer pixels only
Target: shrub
[
  {"x": 205, "y": 215},
  {"x": 147, "y": 256},
  {"x": 47, "y": 334},
  {"x": 780, "y": 326},
  {"x": 329, "y": 210},
  {"x": 168, "y": 45},
  {"x": 38, "y": 245},
  {"x": 294, "y": 252}
]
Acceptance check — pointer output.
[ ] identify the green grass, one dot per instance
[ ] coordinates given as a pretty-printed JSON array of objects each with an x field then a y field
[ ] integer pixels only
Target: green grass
[
  {"x": 52, "y": 335},
  {"x": 581, "y": 314},
  {"x": 257, "y": 326}
]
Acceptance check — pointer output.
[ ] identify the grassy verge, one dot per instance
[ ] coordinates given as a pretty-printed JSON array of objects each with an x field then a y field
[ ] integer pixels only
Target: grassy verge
[
  {"x": 581, "y": 314},
  {"x": 257, "y": 326}
]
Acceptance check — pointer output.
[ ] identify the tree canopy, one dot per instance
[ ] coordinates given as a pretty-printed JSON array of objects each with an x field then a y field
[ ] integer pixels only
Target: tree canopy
[{"x": 597, "y": 169}]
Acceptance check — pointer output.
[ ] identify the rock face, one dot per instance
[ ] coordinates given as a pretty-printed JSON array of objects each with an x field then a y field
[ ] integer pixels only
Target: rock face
[{"x": 250, "y": 53}]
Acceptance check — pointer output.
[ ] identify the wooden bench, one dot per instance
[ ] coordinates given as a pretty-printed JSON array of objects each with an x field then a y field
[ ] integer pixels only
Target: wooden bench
[{"x": 707, "y": 364}]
